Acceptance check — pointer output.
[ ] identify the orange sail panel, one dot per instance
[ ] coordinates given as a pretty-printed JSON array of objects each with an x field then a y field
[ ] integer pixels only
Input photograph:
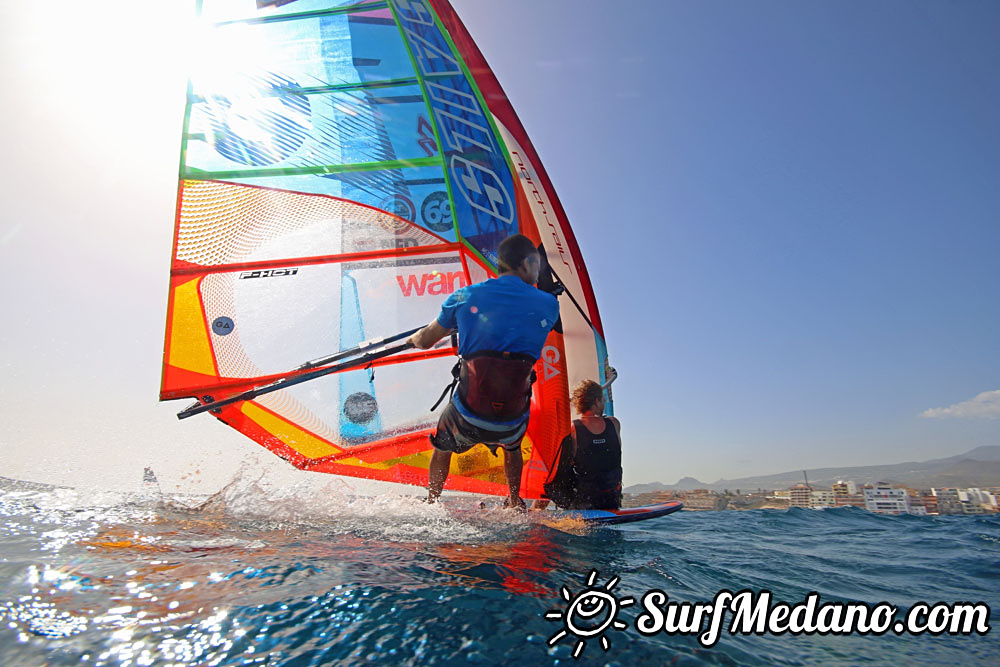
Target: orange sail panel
[{"x": 345, "y": 167}]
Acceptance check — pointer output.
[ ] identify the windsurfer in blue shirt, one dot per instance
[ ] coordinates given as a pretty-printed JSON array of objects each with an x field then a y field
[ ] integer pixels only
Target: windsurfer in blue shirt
[{"x": 502, "y": 326}]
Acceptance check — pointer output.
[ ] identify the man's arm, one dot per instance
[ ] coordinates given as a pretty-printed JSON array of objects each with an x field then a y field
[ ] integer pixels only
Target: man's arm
[
  {"x": 612, "y": 376},
  {"x": 618, "y": 427},
  {"x": 430, "y": 334}
]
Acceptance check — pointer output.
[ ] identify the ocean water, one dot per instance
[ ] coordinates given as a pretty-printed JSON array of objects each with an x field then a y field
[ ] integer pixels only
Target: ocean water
[{"x": 309, "y": 575}]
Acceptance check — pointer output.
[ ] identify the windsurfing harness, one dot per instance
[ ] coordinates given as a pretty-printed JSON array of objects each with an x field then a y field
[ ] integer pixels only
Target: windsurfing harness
[{"x": 494, "y": 387}]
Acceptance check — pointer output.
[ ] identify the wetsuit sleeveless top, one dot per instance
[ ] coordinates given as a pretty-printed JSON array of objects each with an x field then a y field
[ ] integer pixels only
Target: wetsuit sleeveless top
[{"x": 598, "y": 467}]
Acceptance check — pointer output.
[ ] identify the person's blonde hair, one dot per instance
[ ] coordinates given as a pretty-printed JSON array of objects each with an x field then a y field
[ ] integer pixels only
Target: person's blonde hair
[{"x": 585, "y": 395}]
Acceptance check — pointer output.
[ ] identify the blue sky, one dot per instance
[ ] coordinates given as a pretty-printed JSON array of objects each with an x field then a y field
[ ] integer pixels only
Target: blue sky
[{"x": 790, "y": 212}]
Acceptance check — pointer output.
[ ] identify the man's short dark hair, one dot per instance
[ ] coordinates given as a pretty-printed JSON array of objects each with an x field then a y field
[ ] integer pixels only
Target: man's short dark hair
[{"x": 513, "y": 250}]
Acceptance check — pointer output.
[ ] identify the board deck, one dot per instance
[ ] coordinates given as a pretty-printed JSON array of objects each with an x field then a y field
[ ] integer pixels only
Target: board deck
[{"x": 624, "y": 515}]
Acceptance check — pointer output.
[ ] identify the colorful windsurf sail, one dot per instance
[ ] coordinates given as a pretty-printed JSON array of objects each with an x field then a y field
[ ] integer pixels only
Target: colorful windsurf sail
[{"x": 344, "y": 167}]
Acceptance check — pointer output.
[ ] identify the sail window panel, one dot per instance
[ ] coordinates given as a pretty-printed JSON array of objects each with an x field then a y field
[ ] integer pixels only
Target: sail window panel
[
  {"x": 353, "y": 408},
  {"x": 276, "y": 320},
  {"x": 336, "y": 132},
  {"x": 383, "y": 124},
  {"x": 217, "y": 11},
  {"x": 258, "y": 228},
  {"x": 378, "y": 298},
  {"x": 399, "y": 293},
  {"x": 254, "y": 59},
  {"x": 416, "y": 194}
]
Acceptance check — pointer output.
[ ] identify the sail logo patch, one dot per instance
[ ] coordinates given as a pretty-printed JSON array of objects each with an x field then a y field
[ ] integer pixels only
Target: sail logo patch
[
  {"x": 436, "y": 282},
  {"x": 400, "y": 206},
  {"x": 482, "y": 189},
  {"x": 426, "y": 140},
  {"x": 477, "y": 165},
  {"x": 436, "y": 212},
  {"x": 223, "y": 326},
  {"x": 539, "y": 203},
  {"x": 550, "y": 357},
  {"x": 268, "y": 273}
]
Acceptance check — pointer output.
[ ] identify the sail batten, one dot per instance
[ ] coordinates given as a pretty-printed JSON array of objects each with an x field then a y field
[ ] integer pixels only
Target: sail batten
[
  {"x": 313, "y": 170},
  {"x": 345, "y": 167},
  {"x": 325, "y": 259}
]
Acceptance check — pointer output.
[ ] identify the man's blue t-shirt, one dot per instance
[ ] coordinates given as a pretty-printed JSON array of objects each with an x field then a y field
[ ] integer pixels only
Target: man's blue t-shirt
[{"x": 502, "y": 314}]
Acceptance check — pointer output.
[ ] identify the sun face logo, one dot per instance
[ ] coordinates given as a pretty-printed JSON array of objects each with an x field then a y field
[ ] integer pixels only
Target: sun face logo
[{"x": 590, "y": 612}]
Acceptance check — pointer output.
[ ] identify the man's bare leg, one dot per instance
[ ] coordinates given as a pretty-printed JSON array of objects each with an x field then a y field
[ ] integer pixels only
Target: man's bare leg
[
  {"x": 437, "y": 474},
  {"x": 512, "y": 463}
]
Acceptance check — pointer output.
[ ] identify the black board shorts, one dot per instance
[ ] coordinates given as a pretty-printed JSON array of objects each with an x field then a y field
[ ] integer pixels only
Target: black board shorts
[
  {"x": 597, "y": 500},
  {"x": 456, "y": 435}
]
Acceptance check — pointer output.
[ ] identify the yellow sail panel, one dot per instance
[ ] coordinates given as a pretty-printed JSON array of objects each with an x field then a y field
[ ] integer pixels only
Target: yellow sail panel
[
  {"x": 310, "y": 446},
  {"x": 304, "y": 443},
  {"x": 190, "y": 348}
]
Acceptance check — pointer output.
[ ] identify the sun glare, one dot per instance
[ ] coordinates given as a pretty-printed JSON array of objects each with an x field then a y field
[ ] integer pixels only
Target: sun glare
[{"x": 104, "y": 66}]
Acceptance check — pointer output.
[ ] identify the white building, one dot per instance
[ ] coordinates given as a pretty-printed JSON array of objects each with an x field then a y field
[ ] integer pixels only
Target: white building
[
  {"x": 884, "y": 499},
  {"x": 965, "y": 501},
  {"x": 949, "y": 501},
  {"x": 822, "y": 499},
  {"x": 982, "y": 498}
]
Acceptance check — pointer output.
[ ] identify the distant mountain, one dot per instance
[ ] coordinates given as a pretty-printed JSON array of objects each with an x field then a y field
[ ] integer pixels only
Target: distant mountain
[
  {"x": 963, "y": 473},
  {"x": 645, "y": 488},
  {"x": 682, "y": 484},
  {"x": 982, "y": 453},
  {"x": 977, "y": 467}
]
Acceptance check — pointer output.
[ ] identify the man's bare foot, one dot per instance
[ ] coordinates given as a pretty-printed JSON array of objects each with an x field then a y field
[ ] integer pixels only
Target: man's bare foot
[{"x": 515, "y": 503}]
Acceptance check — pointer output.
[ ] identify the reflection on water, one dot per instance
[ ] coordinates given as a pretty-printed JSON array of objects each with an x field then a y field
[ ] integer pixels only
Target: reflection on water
[
  {"x": 251, "y": 572},
  {"x": 265, "y": 573}
]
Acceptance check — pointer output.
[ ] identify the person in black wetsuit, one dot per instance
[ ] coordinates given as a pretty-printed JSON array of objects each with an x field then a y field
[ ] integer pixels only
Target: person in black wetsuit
[{"x": 589, "y": 472}]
